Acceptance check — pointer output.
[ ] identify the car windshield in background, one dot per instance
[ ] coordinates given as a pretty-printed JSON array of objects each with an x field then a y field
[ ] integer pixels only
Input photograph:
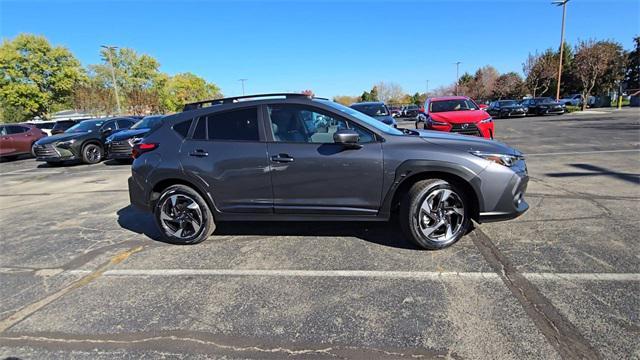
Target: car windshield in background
[
  {"x": 363, "y": 117},
  {"x": 507, "y": 103},
  {"x": 371, "y": 109},
  {"x": 147, "y": 123},
  {"x": 85, "y": 126},
  {"x": 452, "y": 105}
]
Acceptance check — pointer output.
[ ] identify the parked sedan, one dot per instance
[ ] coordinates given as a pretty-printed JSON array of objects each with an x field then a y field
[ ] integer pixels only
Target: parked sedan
[
  {"x": 377, "y": 110},
  {"x": 506, "y": 109},
  {"x": 83, "y": 141},
  {"x": 119, "y": 146},
  {"x": 17, "y": 139},
  {"x": 543, "y": 106}
]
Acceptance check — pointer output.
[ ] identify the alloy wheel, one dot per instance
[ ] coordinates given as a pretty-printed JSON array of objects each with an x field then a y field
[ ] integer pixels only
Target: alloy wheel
[
  {"x": 441, "y": 215},
  {"x": 181, "y": 216},
  {"x": 93, "y": 154}
]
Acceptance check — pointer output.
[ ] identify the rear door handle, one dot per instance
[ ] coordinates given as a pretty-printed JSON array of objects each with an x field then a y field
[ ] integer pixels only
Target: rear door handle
[
  {"x": 282, "y": 158},
  {"x": 199, "y": 153}
]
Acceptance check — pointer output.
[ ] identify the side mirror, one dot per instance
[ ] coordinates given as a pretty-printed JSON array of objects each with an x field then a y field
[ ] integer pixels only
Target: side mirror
[
  {"x": 483, "y": 106},
  {"x": 347, "y": 138}
]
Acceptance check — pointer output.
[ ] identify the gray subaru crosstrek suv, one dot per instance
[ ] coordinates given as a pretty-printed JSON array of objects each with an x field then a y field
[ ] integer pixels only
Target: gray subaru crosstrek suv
[{"x": 291, "y": 157}]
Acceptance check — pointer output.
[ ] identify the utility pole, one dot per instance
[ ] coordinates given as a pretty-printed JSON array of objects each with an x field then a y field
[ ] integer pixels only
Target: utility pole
[
  {"x": 113, "y": 74},
  {"x": 457, "y": 75},
  {"x": 427, "y": 89},
  {"x": 562, "y": 3},
  {"x": 242, "y": 81}
]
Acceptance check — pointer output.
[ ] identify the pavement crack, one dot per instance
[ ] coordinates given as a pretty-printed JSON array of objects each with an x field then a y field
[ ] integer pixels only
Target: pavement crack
[{"x": 560, "y": 333}]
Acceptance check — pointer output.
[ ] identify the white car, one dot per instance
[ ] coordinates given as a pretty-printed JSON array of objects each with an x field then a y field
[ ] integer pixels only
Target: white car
[{"x": 44, "y": 125}]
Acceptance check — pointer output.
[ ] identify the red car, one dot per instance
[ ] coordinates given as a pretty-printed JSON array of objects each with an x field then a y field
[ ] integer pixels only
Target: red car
[
  {"x": 17, "y": 139},
  {"x": 457, "y": 114}
]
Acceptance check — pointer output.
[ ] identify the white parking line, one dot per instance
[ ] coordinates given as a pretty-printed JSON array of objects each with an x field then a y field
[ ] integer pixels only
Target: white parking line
[
  {"x": 418, "y": 275},
  {"x": 584, "y": 152}
]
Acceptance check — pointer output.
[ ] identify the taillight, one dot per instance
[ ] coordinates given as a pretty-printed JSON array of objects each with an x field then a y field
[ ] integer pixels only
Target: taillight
[{"x": 141, "y": 148}]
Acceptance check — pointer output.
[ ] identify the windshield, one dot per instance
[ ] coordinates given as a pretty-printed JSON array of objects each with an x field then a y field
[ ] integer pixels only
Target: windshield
[
  {"x": 147, "y": 122},
  {"x": 507, "y": 103},
  {"x": 85, "y": 126},
  {"x": 371, "y": 109},
  {"x": 452, "y": 105},
  {"x": 362, "y": 117}
]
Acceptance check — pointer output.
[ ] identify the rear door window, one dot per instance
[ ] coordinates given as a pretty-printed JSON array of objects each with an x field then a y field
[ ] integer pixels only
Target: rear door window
[{"x": 237, "y": 125}]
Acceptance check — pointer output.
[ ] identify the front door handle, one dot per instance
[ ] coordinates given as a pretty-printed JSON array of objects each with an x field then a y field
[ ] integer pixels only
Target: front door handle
[
  {"x": 282, "y": 158},
  {"x": 199, "y": 153}
]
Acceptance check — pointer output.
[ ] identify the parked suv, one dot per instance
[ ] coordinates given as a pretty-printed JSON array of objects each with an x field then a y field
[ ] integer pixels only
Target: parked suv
[
  {"x": 458, "y": 114},
  {"x": 292, "y": 157},
  {"x": 17, "y": 139},
  {"x": 83, "y": 141},
  {"x": 377, "y": 110}
]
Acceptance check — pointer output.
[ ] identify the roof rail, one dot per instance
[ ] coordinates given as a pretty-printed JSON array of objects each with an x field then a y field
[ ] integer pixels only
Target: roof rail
[{"x": 229, "y": 100}]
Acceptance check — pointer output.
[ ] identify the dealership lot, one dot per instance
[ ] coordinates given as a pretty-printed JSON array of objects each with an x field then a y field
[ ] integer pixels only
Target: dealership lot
[{"x": 83, "y": 277}]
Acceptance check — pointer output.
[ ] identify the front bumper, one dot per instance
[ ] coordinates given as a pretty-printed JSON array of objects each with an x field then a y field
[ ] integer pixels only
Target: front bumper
[
  {"x": 119, "y": 150},
  {"x": 510, "y": 203},
  {"x": 52, "y": 153}
]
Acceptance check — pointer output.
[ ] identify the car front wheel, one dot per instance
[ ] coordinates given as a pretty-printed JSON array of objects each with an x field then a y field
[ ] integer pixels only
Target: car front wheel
[
  {"x": 183, "y": 216},
  {"x": 434, "y": 214},
  {"x": 91, "y": 154}
]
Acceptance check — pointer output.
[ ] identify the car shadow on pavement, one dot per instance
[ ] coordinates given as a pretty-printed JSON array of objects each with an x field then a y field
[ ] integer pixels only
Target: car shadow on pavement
[
  {"x": 114, "y": 162},
  {"x": 381, "y": 233}
]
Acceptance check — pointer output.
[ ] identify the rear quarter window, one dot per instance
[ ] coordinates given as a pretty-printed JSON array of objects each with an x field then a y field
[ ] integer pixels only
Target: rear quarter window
[{"x": 182, "y": 128}]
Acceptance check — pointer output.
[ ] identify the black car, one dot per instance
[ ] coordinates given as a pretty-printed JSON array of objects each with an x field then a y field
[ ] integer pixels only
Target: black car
[
  {"x": 293, "y": 157},
  {"x": 120, "y": 144},
  {"x": 506, "y": 109},
  {"x": 63, "y": 125},
  {"x": 543, "y": 106},
  {"x": 83, "y": 141},
  {"x": 377, "y": 110},
  {"x": 410, "y": 111}
]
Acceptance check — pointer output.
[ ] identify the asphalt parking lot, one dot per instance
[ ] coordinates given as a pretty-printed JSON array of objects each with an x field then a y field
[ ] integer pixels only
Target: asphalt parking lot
[{"x": 83, "y": 277}]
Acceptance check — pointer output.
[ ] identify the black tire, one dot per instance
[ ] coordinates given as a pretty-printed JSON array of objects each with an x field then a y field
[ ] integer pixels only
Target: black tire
[
  {"x": 92, "y": 154},
  {"x": 207, "y": 222},
  {"x": 410, "y": 206}
]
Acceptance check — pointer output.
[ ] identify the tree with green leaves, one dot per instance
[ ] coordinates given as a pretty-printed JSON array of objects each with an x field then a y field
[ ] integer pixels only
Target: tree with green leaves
[
  {"x": 632, "y": 74},
  {"x": 36, "y": 78},
  {"x": 187, "y": 87},
  {"x": 138, "y": 78}
]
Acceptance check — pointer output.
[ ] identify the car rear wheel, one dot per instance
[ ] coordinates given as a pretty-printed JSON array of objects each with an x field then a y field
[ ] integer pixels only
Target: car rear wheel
[
  {"x": 91, "y": 154},
  {"x": 183, "y": 216},
  {"x": 434, "y": 214}
]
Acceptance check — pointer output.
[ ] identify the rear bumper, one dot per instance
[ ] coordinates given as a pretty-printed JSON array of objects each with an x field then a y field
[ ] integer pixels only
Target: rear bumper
[
  {"x": 137, "y": 195},
  {"x": 119, "y": 150}
]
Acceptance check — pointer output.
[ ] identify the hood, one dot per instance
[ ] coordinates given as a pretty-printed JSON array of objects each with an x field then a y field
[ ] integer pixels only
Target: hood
[
  {"x": 460, "y": 117},
  {"x": 466, "y": 143},
  {"x": 60, "y": 137},
  {"x": 517, "y": 106},
  {"x": 387, "y": 119},
  {"x": 126, "y": 134}
]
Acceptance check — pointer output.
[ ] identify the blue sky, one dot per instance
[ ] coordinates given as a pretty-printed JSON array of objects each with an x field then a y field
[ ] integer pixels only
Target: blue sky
[{"x": 332, "y": 47}]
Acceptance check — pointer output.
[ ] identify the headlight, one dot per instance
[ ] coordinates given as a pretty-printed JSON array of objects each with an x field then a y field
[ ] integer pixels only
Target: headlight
[
  {"x": 66, "y": 144},
  {"x": 487, "y": 120},
  {"x": 430, "y": 121},
  {"x": 502, "y": 159}
]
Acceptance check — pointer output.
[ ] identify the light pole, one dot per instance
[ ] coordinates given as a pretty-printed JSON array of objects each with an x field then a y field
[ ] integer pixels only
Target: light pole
[
  {"x": 427, "y": 89},
  {"x": 457, "y": 75},
  {"x": 242, "y": 81},
  {"x": 562, "y": 3},
  {"x": 113, "y": 73}
]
